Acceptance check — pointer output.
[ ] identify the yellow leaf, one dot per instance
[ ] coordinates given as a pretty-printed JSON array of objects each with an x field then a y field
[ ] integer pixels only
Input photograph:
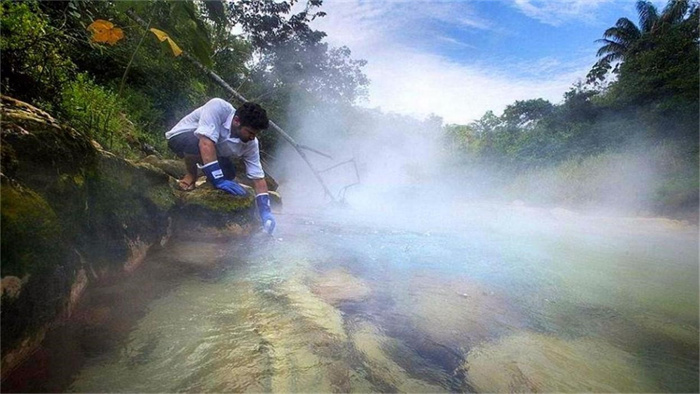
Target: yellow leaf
[
  {"x": 163, "y": 36},
  {"x": 104, "y": 32}
]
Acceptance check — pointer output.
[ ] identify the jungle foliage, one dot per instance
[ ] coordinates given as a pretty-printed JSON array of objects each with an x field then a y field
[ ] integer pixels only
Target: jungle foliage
[
  {"x": 50, "y": 60},
  {"x": 641, "y": 96},
  {"x": 651, "y": 95}
]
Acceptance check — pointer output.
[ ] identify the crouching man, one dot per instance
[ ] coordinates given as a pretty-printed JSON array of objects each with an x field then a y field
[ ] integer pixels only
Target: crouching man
[{"x": 210, "y": 135}]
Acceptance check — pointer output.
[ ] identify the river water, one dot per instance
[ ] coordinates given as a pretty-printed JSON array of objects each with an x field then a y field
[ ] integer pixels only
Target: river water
[{"x": 497, "y": 298}]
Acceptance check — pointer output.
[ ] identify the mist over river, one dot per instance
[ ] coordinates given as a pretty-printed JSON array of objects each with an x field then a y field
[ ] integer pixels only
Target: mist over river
[{"x": 506, "y": 298}]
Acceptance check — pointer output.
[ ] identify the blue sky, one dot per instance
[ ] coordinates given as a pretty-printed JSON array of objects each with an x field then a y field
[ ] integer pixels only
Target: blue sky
[{"x": 458, "y": 59}]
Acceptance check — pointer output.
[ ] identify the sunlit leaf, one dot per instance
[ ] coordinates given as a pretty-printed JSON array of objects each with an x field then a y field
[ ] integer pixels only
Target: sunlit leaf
[
  {"x": 105, "y": 32},
  {"x": 163, "y": 36}
]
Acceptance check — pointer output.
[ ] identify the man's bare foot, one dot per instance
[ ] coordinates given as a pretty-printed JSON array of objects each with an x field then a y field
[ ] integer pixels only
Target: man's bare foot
[{"x": 186, "y": 184}]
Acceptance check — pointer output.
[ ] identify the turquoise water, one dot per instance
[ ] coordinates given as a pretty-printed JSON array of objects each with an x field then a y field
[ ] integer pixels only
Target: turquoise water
[{"x": 510, "y": 300}]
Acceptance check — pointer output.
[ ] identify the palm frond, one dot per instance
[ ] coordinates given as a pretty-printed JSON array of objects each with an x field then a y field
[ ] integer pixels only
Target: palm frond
[
  {"x": 628, "y": 27},
  {"x": 674, "y": 12},
  {"x": 611, "y": 58},
  {"x": 611, "y": 47},
  {"x": 613, "y": 33},
  {"x": 624, "y": 32},
  {"x": 693, "y": 15},
  {"x": 618, "y": 39},
  {"x": 648, "y": 15}
]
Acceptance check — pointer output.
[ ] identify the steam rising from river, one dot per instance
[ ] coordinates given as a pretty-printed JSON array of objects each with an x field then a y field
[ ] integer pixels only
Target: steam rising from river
[
  {"x": 400, "y": 162},
  {"x": 409, "y": 177}
]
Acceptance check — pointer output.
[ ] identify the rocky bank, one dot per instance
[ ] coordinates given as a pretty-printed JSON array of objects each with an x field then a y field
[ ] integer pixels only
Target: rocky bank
[{"x": 74, "y": 214}]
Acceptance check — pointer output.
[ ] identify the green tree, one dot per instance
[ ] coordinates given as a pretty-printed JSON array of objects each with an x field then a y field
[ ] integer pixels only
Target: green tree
[
  {"x": 293, "y": 59},
  {"x": 34, "y": 65},
  {"x": 526, "y": 114},
  {"x": 662, "y": 82},
  {"x": 621, "y": 39}
]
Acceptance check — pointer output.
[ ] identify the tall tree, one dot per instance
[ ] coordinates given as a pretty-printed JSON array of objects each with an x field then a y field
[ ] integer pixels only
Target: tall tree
[
  {"x": 621, "y": 39},
  {"x": 291, "y": 58}
]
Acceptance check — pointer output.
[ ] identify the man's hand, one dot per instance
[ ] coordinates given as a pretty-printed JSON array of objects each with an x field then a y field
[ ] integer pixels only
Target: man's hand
[
  {"x": 216, "y": 177},
  {"x": 268, "y": 221}
]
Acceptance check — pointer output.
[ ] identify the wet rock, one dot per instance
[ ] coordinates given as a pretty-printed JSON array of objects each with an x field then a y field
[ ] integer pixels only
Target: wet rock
[
  {"x": 11, "y": 286},
  {"x": 307, "y": 304},
  {"x": 338, "y": 285},
  {"x": 174, "y": 168},
  {"x": 97, "y": 316},
  {"x": 196, "y": 255},
  {"x": 31, "y": 232},
  {"x": 76, "y": 291},
  {"x": 371, "y": 344},
  {"x": 207, "y": 213},
  {"x": 457, "y": 313},
  {"x": 530, "y": 362}
]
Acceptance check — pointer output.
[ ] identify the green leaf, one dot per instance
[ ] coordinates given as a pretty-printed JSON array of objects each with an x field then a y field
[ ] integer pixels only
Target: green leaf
[{"x": 140, "y": 7}]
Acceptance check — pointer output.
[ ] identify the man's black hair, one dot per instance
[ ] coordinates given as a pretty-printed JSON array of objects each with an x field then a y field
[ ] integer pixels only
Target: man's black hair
[{"x": 252, "y": 115}]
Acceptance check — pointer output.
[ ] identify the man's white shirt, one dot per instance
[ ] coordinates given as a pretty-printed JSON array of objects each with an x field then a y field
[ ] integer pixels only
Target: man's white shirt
[{"x": 213, "y": 120}]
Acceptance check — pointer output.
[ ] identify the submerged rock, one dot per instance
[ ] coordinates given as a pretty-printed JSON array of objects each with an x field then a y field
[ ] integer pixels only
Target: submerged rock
[
  {"x": 338, "y": 285},
  {"x": 313, "y": 308},
  {"x": 531, "y": 362},
  {"x": 228, "y": 336},
  {"x": 371, "y": 344},
  {"x": 196, "y": 255},
  {"x": 458, "y": 313}
]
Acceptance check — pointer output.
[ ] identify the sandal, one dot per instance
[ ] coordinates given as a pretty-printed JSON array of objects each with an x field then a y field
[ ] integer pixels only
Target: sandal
[{"x": 184, "y": 186}]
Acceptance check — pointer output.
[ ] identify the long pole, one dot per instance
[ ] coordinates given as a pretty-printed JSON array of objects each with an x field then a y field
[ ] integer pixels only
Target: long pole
[{"x": 214, "y": 77}]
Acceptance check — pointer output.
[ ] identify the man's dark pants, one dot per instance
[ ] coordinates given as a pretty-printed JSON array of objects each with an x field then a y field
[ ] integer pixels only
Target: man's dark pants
[{"x": 188, "y": 144}]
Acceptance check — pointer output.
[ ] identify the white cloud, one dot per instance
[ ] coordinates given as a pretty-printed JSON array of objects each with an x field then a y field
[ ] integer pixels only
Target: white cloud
[
  {"x": 556, "y": 12},
  {"x": 407, "y": 78},
  {"x": 352, "y": 22},
  {"x": 454, "y": 41},
  {"x": 420, "y": 84}
]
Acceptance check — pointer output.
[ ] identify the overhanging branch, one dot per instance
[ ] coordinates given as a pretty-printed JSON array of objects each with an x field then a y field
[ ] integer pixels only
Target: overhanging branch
[{"x": 219, "y": 81}]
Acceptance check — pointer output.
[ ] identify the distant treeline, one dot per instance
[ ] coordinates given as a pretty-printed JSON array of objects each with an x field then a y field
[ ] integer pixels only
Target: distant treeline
[{"x": 643, "y": 90}]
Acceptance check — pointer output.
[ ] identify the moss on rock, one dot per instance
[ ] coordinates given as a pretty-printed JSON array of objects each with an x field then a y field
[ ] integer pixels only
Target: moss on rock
[
  {"x": 206, "y": 207},
  {"x": 63, "y": 198},
  {"x": 216, "y": 200},
  {"x": 34, "y": 249},
  {"x": 30, "y": 230},
  {"x": 174, "y": 168},
  {"x": 162, "y": 197}
]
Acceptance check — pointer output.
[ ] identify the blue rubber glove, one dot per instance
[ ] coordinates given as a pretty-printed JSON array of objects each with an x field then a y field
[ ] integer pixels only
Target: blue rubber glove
[
  {"x": 268, "y": 221},
  {"x": 216, "y": 177}
]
